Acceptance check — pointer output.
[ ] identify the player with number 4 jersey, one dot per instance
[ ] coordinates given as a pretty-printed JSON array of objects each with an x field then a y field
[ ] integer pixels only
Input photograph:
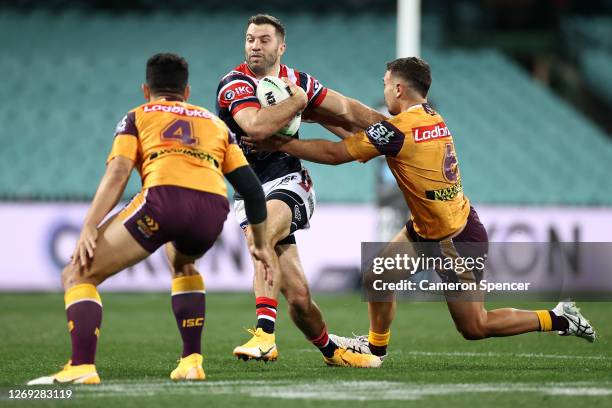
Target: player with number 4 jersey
[{"x": 182, "y": 153}]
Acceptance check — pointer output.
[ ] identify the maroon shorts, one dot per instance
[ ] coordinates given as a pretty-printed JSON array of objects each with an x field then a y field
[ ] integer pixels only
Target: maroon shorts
[
  {"x": 472, "y": 242},
  {"x": 190, "y": 219}
]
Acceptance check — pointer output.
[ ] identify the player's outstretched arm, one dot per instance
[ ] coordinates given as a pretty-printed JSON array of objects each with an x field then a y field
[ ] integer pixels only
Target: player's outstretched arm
[
  {"x": 260, "y": 123},
  {"x": 343, "y": 116},
  {"x": 314, "y": 150},
  {"x": 107, "y": 196}
]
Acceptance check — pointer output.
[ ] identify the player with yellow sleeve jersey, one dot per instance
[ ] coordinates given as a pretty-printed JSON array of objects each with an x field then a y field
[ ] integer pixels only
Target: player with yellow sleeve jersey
[
  {"x": 175, "y": 143},
  {"x": 182, "y": 153},
  {"x": 419, "y": 150},
  {"x": 421, "y": 155}
]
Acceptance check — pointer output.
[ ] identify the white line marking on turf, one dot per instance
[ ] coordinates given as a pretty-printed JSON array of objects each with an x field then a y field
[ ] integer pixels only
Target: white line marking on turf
[
  {"x": 340, "y": 390},
  {"x": 485, "y": 354},
  {"x": 493, "y": 354}
]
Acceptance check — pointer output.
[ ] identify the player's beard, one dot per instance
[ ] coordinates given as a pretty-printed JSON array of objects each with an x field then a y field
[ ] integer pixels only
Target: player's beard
[{"x": 263, "y": 65}]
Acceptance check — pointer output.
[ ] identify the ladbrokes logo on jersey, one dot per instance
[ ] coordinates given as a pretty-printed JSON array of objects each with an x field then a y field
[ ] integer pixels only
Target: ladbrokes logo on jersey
[
  {"x": 178, "y": 110},
  {"x": 426, "y": 133}
]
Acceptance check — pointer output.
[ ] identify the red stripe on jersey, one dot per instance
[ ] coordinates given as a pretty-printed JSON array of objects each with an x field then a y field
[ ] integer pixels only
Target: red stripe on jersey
[
  {"x": 282, "y": 73},
  {"x": 319, "y": 99},
  {"x": 244, "y": 68},
  {"x": 297, "y": 77},
  {"x": 311, "y": 87},
  {"x": 240, "y": 106}
]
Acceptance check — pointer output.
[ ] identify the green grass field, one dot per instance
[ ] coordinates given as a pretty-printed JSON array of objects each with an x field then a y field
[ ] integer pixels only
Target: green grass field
[{"x": 429, "y": 364}]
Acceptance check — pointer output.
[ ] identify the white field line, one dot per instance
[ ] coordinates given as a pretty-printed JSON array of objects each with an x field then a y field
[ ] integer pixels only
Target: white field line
[
  {"x": 340, "y": 390},
  {"x": 485, "y": 354},
  {"x": 493, "y": 354}
]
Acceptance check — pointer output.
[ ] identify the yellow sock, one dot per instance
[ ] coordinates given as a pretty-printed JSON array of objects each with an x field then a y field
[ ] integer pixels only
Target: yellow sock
[
  {"x": 545, "y": 320},
  {"x": 378, "y": 339},
  {"x": 78, "y": 293},
  {"x": 188, "y": 284}
]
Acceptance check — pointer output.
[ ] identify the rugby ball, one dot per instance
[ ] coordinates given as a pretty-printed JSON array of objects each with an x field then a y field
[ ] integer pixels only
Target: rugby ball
[{"x": 272, "y": 90}]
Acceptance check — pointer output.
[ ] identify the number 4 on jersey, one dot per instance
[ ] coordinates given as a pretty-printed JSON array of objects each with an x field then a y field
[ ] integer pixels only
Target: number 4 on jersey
[{"x": 181, "y": 130}]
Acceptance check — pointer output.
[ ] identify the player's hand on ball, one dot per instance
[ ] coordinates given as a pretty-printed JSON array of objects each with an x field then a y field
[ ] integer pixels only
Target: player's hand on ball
[
  {"x": 270, "y": 144},
  {"x": 296, "y": 92},
  {"x": 85, "y": 246}
]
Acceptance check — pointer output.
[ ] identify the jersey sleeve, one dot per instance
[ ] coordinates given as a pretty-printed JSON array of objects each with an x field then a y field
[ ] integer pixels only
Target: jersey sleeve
[
  {"x": 236, "y": 91},
  {"x": 381, "y": 138},
  {"x": 126, "y": 138},
  {"x": 234, "y": 157},
  {"x": 314, "y": 89}
]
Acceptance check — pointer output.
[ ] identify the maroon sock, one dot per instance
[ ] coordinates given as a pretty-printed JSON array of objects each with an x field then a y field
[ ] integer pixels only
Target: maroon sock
[
  {"x": 559, "y": 323},
  {"x": 84, "y": 321},
  {"x": 189, "y": 309},
  {"x": 377, "y": 350}
]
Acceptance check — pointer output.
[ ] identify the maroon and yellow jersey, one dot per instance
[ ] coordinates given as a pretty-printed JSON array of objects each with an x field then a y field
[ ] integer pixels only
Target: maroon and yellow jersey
[
  {"x": 421, "y": 155},
  {"x": 179, "y": 144}
]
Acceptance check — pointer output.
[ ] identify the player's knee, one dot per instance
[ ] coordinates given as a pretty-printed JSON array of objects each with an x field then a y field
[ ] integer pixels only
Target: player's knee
[
  {"x": 72, "y": 276},
  {"x": 68, "y": 275},
  {"x": 184, "y": 270},
  {"x": 475, "y": 330}
]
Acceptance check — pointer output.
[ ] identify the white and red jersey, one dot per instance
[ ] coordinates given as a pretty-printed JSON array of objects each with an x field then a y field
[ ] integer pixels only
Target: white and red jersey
[{"x": 236, "y": 91}]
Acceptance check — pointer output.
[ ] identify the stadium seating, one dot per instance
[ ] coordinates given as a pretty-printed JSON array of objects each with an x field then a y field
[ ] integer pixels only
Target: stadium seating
[
  {"x": 71, "y": 76},
  {"x": 589, "y": 40}
]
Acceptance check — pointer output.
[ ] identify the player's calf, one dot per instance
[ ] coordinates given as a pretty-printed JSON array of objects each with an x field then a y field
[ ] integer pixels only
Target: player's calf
[
  {"x": 188, "y": 307},
  {"x": 84, "y": 314},
  {"x": 474, "y": 329}
]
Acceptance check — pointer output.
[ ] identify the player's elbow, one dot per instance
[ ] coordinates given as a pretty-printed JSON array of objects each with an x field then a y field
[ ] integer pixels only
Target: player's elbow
[
  {"x": 333, "y": 159},
  {"x": 119, "y": 169},
  {"x": 256, "y": 132},
  {"x": 257, "y": 129},
  {"x": 336, "y": 155}
]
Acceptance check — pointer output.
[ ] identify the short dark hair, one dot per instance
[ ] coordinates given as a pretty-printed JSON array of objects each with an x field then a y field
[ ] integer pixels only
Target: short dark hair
[
  {"x": 260, "y": 19},
  {"x": 167, "y": 73},
  {"x": 413, "y": 70}
]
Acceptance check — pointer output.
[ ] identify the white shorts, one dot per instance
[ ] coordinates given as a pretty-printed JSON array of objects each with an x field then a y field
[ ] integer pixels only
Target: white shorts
[{"x": 295, "y": 190}]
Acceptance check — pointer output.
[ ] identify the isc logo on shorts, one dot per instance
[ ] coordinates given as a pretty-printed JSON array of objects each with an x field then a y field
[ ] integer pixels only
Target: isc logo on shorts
[{"x": 426, "y": 133}]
